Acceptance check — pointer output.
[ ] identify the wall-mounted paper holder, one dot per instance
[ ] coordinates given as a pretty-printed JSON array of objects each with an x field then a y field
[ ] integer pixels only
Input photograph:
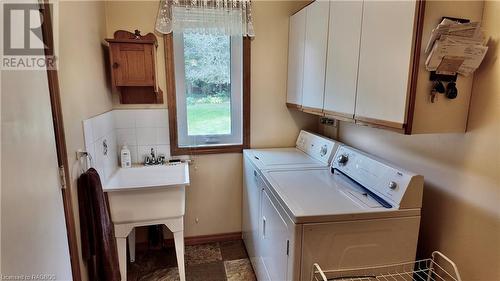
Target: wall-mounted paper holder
[
  {"x": 451, "y": 91},
  {"x": 446, "y": 77}
]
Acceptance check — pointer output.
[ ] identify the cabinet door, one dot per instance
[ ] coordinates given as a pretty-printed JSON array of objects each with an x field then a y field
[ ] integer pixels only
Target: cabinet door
[
  {"x": 315, "y": 54},
  {"x": 275, "y": 240},
  {"x": 342, "y": 61},
  {"x": 384, "y": 61},
  {"x": 296, "y": 42},
  {"x": 133, "y": 64}
]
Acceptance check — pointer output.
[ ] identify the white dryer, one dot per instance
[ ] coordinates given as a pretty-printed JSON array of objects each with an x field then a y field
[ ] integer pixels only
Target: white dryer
[
  {"x": 311, "y": 152},
  {"x": 359, "y": 212}
]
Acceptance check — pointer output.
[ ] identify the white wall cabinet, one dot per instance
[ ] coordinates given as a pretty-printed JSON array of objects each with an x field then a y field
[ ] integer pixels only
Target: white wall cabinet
[
  {"x": 307, "y": 44},
  {"x": 297, "y": 35},
  {"x": 315, "y": 55},
  {"x": 362, "y": 61},
  {"x": 357, "y": 60},
  {"x": 385, "y": 59},
  {"x": 342, "y": 58}
]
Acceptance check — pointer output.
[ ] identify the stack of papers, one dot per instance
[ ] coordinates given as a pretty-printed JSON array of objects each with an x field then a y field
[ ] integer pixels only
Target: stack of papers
[{"x": 455, "y": 48}]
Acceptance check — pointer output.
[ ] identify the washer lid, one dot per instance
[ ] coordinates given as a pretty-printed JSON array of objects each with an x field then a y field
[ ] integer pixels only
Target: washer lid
[
  {"x": 311, "y": 151},
  {"x": 317, "y": 195},
  {"x": 283, "y": 158}
]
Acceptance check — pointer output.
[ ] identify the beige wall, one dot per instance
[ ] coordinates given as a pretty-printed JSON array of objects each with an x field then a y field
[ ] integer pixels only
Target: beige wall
[
  {"x": 461, "y": 213},
  {"x": 214, "y": 197},
  {"x": 445, "y": 115},
  {"x": 82, "y": 75},
  {"x": 129, "y": 16},
  {"x": 272, "y": 124}
]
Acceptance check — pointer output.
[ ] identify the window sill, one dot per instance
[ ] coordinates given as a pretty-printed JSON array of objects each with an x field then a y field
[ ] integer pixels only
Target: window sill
[{"x": 176, "y": 151}]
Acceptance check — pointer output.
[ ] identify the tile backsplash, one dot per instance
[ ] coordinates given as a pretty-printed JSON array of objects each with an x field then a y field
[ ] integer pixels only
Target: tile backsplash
[{"x": 139, "y": 129}]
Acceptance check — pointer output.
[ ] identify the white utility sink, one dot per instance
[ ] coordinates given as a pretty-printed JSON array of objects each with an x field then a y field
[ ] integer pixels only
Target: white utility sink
[
  {"x": 141, "y": 177},
  {"x": 147, "y": 195},
  {"x": 147, "y": 192}
]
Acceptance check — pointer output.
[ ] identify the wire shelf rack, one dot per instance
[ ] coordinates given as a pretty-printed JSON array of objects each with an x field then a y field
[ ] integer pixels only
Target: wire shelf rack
[{"x": 437, "y": 268}]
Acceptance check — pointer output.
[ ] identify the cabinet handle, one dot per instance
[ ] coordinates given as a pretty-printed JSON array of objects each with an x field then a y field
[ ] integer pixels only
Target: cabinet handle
[
  {"x": 264, "y": 227},
  {"x": 116, "y": 65},
  {"x": 254, "y": 173}
]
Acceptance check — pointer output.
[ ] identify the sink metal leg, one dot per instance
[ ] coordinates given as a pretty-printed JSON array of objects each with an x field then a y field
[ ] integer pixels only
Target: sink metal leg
[
  {"x": 179, "y": 251},
  {"x": 131, "y": 245},
  {"x": 121, "y": 245}
]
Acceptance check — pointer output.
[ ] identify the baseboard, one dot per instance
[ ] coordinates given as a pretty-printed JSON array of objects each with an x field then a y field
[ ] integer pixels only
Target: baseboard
[{"x": 196, "y": 240}]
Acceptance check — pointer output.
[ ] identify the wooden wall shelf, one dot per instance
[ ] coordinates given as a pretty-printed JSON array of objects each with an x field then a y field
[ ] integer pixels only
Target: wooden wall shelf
[{"x": 133, "y": 67}]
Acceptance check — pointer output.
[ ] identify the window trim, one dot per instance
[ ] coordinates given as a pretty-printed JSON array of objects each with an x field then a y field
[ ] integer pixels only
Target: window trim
[{"x": 172, "y": 104}]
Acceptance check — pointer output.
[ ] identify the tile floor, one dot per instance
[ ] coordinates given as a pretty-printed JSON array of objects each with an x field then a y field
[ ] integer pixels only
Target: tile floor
[{"x": 220, "y": 261}]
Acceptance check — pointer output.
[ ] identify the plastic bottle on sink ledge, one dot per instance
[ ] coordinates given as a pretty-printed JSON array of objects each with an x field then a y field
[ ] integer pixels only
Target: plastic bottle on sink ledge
[{"x": 126, "y": 161}]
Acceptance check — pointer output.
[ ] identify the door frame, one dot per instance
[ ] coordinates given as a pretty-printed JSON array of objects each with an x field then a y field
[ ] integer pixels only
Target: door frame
[{"x": 60, "y": 139}]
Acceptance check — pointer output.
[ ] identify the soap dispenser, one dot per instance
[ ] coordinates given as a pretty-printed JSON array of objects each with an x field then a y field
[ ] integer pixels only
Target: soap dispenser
[{"x": 125, "y": 157}]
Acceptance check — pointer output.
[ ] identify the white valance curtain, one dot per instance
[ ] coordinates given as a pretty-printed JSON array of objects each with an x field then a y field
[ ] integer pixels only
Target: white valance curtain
[{"x": 227, "y": 17}]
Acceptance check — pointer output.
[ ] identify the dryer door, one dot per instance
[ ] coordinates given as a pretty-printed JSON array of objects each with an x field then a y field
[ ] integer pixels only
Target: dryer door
[
  {"x": 274, "y": 234},
  {"x": 251, "y": 214}
]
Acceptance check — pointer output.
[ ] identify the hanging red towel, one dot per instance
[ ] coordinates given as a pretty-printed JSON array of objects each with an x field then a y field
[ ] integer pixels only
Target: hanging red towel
[{"x": 98, "y": 236}]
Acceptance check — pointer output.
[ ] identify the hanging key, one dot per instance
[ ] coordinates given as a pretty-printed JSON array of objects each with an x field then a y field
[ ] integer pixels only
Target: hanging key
[{"x": 434, "y": 94}]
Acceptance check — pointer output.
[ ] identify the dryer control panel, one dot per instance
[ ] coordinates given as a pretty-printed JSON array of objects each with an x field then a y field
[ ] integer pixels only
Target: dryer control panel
[
  {"x": 386, "y": 181},
  {"x": 318, "y": 147}
]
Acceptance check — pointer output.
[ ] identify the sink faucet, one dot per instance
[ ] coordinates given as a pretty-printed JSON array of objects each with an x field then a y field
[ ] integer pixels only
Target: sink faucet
[
  {"x": 153, "y": 159},
  {"x": 150, "y": 160}
]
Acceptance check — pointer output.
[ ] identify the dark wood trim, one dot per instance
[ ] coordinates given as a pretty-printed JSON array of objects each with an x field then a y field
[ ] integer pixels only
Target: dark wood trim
[
  {"x": 206, "y": 150},
  {"x": 62, "y": 156},
  {"x": 247, "y": 89},
  {"x": 312, "y": 110},
  {"x": 293, "y": 106},
  {"x": 114, "y": 40},
  {"x": 377, "y": 126},
  {"x": 124, "y": 36},
  {"x": 339, "y": 115},
  {"x": 171, "y": 98},
  {"x": 419, "y": 26},
  {"x": 310, "y": 2},
  {"x": 196, "y": 240},
  {"x": 172, "y": 104},
  {"x": 379, "y": 123}
]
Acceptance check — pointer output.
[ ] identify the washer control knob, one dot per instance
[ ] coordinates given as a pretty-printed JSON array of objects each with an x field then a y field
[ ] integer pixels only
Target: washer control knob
[
  {"x": 342, "y": 159},
  {"x": 393, "y": 185},
  {"x": 301, "y": 142},
  {"x": 323, "y": 150}
]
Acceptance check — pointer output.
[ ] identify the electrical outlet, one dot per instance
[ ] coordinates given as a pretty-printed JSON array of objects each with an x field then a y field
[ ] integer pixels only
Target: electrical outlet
[{"x": 328, "y": 122}]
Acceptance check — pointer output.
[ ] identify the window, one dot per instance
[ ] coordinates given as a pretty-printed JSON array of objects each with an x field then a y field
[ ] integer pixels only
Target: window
[{"x": 210, "y": 93}]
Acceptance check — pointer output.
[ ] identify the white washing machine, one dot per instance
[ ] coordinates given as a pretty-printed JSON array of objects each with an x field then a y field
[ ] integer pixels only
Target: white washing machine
[
  {"x": 359, "y": 212},
  {"x": 311, "y": 152}
]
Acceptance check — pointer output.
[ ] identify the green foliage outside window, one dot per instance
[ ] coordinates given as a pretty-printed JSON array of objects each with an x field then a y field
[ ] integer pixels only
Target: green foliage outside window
[
  {"x": 207, "y": 62},
  {"x": 207, "y": 68}
]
